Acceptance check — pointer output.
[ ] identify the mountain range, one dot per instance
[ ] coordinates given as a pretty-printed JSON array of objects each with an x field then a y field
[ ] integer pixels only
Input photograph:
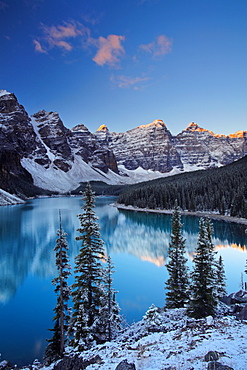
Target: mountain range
[{"x": 38, "y": 154}]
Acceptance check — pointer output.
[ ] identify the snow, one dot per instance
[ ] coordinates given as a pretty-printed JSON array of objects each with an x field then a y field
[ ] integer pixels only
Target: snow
[
  {"x": 4, "y": 92},
  {"x": 55, "y": 179},
  {"x": 139, "y": 174},
  {"x": 180, "y": 343},
  {"x": 35, "y": 125},
  {"x": 8, "y": 199}
]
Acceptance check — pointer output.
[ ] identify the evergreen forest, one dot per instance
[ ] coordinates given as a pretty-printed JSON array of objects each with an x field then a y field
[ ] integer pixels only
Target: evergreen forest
[{"x": 222, "y": 190}]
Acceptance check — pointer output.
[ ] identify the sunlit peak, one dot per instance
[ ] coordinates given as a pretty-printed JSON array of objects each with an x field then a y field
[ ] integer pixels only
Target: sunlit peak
[{"x": 102, "y": 128}]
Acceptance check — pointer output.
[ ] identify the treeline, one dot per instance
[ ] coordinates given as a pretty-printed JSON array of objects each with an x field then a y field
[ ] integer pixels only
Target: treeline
[{"x": 222, "y": 190}]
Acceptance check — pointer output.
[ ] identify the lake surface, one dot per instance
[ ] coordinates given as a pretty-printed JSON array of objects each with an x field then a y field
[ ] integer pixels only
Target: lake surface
[{"x": 137, "y": 243}]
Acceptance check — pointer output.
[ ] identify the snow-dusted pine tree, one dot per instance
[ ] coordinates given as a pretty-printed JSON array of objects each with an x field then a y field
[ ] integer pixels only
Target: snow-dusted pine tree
[
  {"x": 203, "y": 298},
  {"x": 110, "y": 320},
  {"x": 220, "y": 279},
  {"x": 55, "y": 348},
  {"x": 88, "y": 288},
  {"x": 178, "y": 282},
  {"x": 153, "y": 318}
]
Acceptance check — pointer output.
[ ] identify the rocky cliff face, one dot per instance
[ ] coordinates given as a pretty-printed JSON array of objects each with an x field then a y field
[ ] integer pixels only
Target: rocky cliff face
[
  {"x": 153, "y": 147},
  {"x": 150, "y": 147},
  {"x": 42, "y": 152},
  {"x": 86, "y": 145},
  {"x": 17, "y": 140}
]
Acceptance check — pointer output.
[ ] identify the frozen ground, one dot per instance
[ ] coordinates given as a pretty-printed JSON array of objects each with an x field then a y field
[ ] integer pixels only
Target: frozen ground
[{"x": 172, "y": 341}]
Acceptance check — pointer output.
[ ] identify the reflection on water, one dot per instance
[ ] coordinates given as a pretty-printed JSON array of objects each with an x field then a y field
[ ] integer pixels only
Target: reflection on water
[{"x": 138, "y": 243}]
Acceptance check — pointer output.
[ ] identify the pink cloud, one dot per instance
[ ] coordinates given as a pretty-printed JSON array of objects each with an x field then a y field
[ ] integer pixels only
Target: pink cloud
[
  {"x": 162, "y": 45},
  {"x": 60, "y": 36},
  {"x": 61, "y": 32},
  {"x": 38, "y": 47},
  {"x": 127, "y": 81},
  {"x": 109, "y": 50}
]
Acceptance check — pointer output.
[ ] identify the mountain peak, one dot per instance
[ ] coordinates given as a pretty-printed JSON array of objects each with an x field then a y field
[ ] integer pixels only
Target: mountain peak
[
  {"x": 156, "y": 123},
  {"x": 103, "y": 128},
  {"x": 79, "y": 128},
  {"x": 238, "y": 134},
  {"x": 192, "y": 126},
  {"x": 4, "y": 92}
]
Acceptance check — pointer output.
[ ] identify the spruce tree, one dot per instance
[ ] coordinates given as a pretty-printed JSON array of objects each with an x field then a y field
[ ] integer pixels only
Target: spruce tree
[
  {"x": 88, "y": 288},
  {"x": 153, "y": 318},
  {"x": 220, "y": 279},
  {"x": 110, "y": 320},
  {"x": 55, "y": 348},
  {"x": 177, "y": 283},
  {"x": 203, "y": 298}
]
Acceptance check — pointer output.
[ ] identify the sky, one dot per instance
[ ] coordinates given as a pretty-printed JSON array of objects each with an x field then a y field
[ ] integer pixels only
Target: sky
[{"x": 128, "y": 63}]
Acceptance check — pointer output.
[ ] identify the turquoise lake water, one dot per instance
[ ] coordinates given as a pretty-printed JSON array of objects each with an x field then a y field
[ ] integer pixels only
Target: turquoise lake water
[{"x": 137, "y": 243}]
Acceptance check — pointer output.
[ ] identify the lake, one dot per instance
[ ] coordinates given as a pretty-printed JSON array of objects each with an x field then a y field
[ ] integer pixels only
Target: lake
[{"x": 136, "y": 241}]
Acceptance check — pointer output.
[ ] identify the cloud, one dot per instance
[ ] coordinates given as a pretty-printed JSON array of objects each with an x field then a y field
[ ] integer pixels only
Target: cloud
[
  {"x": 38, "y": 47},
  {"x": 109, "y": 50},
  {"x": 162, "y": 45},
  {"x": 60, "y": 36},
  {"x": 125, "y": 82},
  {"x": 90, "y": 19},
  {"x": 61, "y": 32}
]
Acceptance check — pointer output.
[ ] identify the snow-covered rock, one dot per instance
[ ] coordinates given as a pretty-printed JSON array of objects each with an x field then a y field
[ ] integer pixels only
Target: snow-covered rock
[
  {"x": 179, "y": 343},
  {"x": 9, "y": 199}
]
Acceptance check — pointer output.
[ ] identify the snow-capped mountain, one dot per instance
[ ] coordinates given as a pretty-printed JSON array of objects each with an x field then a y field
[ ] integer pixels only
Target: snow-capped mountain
[
  {"x": 39, "y": 151},
  {"x": 153, "y": 147}
]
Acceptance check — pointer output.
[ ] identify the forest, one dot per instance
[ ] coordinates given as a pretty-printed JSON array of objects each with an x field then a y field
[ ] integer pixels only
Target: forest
[{"x": 222, "y": 190}]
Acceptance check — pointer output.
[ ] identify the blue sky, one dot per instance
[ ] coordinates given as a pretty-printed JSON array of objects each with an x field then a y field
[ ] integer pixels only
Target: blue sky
[{"x": 127, "y": 63}]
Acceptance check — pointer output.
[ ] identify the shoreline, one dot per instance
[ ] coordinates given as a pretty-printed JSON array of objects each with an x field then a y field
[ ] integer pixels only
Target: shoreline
[{"x": 214, "y": 216}]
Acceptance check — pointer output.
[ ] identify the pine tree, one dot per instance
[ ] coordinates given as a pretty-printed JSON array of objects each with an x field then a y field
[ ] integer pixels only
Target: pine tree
[
  {"x": 177, "y": 283},
  {"x": 88, "y": 288},
  {"x": 153, "y": 318},
  {"x": 220, "y": 279},
  {"x": 203, "y": 293},
  {"x": 110, "y": 320},
  {"x": 55, "y": 348}
]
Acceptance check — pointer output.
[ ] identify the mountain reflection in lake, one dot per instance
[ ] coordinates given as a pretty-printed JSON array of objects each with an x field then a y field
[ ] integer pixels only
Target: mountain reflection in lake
[{"x": 137, "y": 242}]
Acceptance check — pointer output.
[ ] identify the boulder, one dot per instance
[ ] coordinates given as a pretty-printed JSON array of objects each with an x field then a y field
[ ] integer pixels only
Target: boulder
[
  {"x": 211, "y": 356},
  {"x": 242, "y": 315},
  {"x": 5, "y": 365},
  {"x": 76, "y": 363},
  {"x": 124, "y": 365}
]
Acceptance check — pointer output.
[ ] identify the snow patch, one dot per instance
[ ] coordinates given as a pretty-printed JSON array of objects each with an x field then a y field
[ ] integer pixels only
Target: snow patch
[
  {"x": 55, "y": 179},
  {"x": 9, "y": 199},
  {"x": 4, "y": 92},
  {"x": 180, "y": 343},
  {"x": 35, "y": 125}
]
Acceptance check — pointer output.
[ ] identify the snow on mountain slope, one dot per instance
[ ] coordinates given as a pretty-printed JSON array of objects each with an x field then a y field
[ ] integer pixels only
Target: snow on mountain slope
[
  {"x": 8, "y": 199},
  {"x": 55, "y": 179}
]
